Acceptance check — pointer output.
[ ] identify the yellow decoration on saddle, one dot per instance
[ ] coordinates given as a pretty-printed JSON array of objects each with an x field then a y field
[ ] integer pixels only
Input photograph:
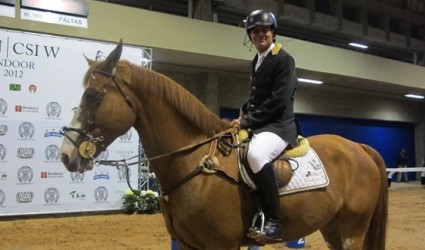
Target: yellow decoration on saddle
[
  {"x": 87, "y": 149},
  {"x": 299, "y": 150}
]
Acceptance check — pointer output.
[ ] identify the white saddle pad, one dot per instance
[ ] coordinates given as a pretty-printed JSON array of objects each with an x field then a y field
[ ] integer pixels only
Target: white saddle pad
[{"x": 308, "y": 173}]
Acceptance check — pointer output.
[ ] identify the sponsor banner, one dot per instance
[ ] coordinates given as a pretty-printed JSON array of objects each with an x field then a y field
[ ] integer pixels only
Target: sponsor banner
[{"x": 40, "y": 84}]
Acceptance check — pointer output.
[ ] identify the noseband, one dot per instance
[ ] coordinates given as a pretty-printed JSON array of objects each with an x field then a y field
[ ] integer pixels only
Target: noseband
[{"x": 87, "y": 149}]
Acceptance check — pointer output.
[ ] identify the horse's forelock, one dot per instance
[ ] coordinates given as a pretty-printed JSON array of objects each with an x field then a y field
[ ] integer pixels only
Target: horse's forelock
[{"x": 92, "y": 67}]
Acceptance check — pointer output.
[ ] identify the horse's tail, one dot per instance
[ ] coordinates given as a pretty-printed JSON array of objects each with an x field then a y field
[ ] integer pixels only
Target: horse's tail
[{"x": 376, "y": 234}]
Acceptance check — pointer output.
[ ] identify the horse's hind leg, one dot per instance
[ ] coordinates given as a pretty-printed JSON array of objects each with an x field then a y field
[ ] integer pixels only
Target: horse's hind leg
[
  {"x": 332, "y": 236},
  {"x": 344, "y": 235}
]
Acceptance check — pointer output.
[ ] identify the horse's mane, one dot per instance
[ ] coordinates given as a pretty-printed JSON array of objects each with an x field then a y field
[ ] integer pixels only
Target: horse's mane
[
  {"x": 184, "y": 102},
  {"x": 153, "y": 83}
]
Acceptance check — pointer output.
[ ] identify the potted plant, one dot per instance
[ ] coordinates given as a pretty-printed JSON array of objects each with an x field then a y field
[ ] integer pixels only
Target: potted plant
[{"x": 137, "y": 201}]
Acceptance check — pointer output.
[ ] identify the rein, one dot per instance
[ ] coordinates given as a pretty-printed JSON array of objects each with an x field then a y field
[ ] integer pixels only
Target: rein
[
  {"x": 225, "y": 147},
  {"x": 180, "y": 150}
]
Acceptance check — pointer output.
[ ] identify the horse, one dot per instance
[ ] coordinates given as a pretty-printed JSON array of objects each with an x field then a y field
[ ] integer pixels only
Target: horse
[{"x": 214, "y": 209}]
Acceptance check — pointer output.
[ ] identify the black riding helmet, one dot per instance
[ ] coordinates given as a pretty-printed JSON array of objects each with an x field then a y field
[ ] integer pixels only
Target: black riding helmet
[{"x": 260, "y": 18}]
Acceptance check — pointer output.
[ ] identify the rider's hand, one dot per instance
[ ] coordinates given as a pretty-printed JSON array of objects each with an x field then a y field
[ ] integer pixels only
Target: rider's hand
[{"x": 236, "y": 123}]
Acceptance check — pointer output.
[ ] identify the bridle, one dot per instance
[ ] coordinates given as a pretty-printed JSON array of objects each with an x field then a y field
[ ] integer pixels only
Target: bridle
[{"x": 88, "y": 148}]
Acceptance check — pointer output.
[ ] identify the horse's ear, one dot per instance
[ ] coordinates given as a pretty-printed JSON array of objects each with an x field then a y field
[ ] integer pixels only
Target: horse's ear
[
  {"x": 112, "y": 59},
  {"x": 89, "y": 61}
]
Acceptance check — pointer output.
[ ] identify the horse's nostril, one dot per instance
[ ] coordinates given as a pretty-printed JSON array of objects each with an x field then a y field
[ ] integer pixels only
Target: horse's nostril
[{"x": 65, "y": 159}]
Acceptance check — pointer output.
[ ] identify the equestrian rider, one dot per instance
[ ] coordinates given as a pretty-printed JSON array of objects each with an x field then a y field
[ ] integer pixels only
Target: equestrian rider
[{"x": 268, "y": 113}]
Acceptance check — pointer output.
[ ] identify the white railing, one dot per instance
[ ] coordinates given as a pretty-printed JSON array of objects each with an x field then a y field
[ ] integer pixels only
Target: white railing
[{"x": 392, "y": 171}]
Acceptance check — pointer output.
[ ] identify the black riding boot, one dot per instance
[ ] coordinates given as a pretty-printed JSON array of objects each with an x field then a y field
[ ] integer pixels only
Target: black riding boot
[{"x": 265, "y": 181}]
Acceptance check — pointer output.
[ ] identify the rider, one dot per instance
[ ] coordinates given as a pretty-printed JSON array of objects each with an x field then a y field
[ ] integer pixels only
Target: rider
[{"x": 268, "y": 113}]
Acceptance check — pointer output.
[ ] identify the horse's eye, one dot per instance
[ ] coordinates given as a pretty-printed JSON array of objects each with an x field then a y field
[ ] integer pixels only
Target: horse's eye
[
  {"x": 90, "y": 94},
  {"x": 74, "y": 109}
]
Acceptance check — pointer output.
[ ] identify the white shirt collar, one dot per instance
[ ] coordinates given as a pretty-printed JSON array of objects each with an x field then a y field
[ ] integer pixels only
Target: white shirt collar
[{"x": 264, "y": 54}]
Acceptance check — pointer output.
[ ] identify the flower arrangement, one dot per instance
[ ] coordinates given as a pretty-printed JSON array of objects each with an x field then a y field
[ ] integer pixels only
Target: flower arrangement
[{"x": 140, "y": 202}]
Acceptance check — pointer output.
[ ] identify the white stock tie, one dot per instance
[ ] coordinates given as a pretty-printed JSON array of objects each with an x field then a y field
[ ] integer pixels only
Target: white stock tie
[{"x": 259, "y": 61}]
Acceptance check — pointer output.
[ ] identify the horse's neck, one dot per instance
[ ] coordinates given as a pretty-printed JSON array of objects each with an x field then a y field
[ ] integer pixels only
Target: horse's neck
[
  {"x": 165, "y": 131},
  {"x": 162, "y": 126}
]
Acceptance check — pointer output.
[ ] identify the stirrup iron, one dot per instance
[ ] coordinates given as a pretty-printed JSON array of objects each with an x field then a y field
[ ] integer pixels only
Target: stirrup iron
[{"x": 253, "y": 232}]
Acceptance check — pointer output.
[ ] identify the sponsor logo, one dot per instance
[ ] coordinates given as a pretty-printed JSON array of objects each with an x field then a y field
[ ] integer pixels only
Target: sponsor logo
[
  {"x": 24, "y": 197},
  {"x": 52, "y": 153},
  {"x": 52, "y": 175},
  {"x": 315, "y": 164},
  {"x": 3, "y": 129},
  {"x": 26, "y": 130},
  {"x": 3, "y": 176},
  {"x": 125, "y": 153},
  {"x": 51, "y": 196},
  {"x": 122, "y": 173},
  {"x": 2, "y": 152},
  {"x": 15, "y": 87},
  {"x": 100, "y": 56},
  {"x": 52, "y": 133},
  {"x": 2, "y": 197},
  {"x": 101, "y": 194},
  {"x": 77, "y": 177},
  {"x": 141, "y": 152},
  {"x": 25, "y": 153},
  {"x": 101, "y": 175},
  {"x": 32, "y": 88},
  {"x": 27, "y": 109},
  {"x": 53, "y": 110},
  {"x": 125, "y": 138},
  {"x": 77, "y": 195},
  {"x": 25, "y": 175},
  {"x": 3, "y": 107}
]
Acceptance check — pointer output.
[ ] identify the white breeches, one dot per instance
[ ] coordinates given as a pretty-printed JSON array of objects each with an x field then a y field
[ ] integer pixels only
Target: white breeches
[{"x": 264, "y": 148}]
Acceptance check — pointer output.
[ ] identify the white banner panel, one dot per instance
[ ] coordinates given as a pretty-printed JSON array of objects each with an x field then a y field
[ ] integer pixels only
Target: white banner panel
[
  {"x": 40, "y": 84},
  {"x": 8, "y": 11}
]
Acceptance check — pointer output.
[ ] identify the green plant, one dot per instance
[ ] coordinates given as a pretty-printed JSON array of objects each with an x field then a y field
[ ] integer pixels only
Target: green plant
[{"x": 141, "y": 202}]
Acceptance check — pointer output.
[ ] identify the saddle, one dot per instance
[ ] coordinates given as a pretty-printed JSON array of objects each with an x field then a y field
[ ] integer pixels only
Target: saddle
[{"x": 282, "y": 167}]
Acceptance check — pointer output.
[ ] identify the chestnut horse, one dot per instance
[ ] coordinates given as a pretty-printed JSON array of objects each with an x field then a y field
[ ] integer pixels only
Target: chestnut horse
[{"x": 213, "y": 209}]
